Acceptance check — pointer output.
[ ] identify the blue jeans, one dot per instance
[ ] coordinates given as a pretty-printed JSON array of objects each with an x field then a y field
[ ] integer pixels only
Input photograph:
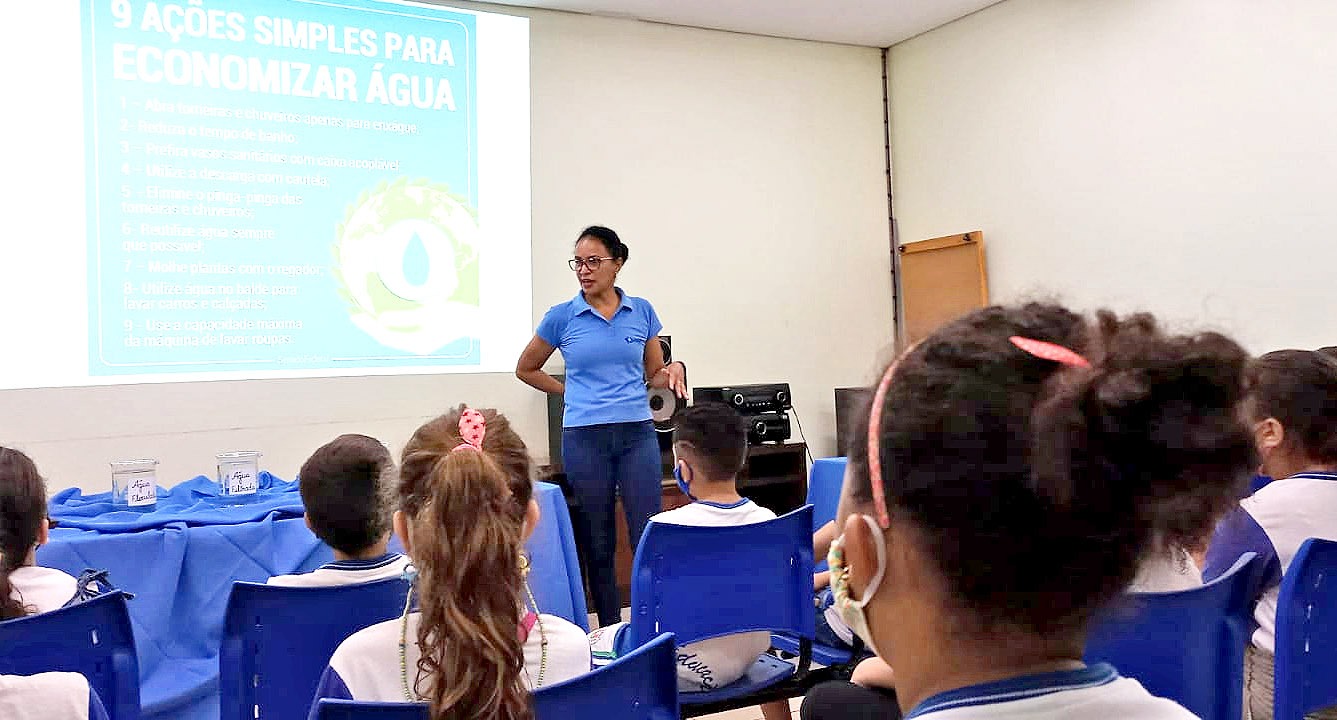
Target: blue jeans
[{"x": 602, "y": 461}]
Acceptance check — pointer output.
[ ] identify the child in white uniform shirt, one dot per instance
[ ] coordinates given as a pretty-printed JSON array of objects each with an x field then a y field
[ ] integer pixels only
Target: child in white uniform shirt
[
  {"x": 347, "y": 489},
  {"x": 25, "y": 588},
  {"x": 1293, "y": 410},
  {"x": 477, "y": 644},
  {"x": 49, "y": 696},
  {"x": 1019, "y": 464},
  {"x": 710, "y": 444}
]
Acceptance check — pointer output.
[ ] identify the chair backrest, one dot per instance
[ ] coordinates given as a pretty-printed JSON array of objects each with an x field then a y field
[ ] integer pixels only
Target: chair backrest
[
  {"x": 1187, "y": 646},
  {"x": 353, "y": 710},
  {"x": 824, "y": 481},
  {"x": 93, "y": 638},
  {"x": 703, "y": 582},
  {"x": 278, "y": 640},
  {"x": 1306, "y": 660},
  {"x": 554, "y": 565},
  {"x": 642, "y": 685}
]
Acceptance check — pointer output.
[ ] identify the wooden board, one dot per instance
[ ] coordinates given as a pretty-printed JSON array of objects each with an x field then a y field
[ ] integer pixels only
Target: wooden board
[{"x": 941, "y": 279}]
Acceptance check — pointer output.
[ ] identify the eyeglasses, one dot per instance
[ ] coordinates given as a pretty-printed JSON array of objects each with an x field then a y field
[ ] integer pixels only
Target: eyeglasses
[{"x": 592, "y": 263}]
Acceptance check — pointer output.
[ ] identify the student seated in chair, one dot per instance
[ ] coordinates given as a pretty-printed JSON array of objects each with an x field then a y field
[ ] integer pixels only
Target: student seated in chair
[
  {"x": 1019, "y": 466},
  {"x": 26, "y": 588},
  {"x": 476, "y": 644},
  {"x": 1292, "y": 406},
  {"x": 710, "y": 446},
  {"x": 347, "y": 488}
]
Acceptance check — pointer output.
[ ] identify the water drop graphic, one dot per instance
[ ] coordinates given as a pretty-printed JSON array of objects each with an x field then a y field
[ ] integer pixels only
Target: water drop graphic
[{"x": 416, "y": 262}]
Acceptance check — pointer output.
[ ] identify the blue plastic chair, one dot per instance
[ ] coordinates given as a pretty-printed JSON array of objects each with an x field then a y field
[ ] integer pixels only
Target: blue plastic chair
[
  {"x": 554, "y": 565},
  {"x": 824, "y": 483},
  {"x": 92, "y": 638},
  {"x": 1187, "y": 646},
  {"x": 641, "y": 685},
  {"x": 1306, "y": 660},
  {"x": 277, "y": 641},
  {"x": 704, "y": 582},
  {"x": 352, "y": 710}
]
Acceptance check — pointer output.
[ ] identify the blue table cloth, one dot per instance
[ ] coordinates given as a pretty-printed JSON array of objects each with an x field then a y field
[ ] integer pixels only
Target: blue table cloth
[{"x": 181, "y": 559}]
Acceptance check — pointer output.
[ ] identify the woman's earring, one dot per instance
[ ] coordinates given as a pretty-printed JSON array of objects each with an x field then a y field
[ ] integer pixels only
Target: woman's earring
[{"x": 524, "y": 565}]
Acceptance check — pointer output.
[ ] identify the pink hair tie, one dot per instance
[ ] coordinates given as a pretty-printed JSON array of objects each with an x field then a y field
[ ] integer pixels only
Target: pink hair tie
[
  {"x": 473, "y": 427},
  {"x": 1050, "y": 351},
  {"x": 1038, "y": 348}
]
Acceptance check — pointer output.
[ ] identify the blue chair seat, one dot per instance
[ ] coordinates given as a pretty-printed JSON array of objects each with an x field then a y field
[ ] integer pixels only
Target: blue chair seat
[
  {"x": 93, "y": 638},
  {"x": 642, "y": 685},
  {"x": 1187, "y": 646},
  {"x": 824, "y": 482},
  {"x": 687, "y": 580},
  {"x": 352, "y": 710},
  {"x": 1306, "y": 632},
  {"x": 766, "y": 672},
  {"x": 277, "y": 641}
]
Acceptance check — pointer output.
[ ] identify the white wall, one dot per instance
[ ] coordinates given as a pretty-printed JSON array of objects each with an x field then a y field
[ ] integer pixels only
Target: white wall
[
  {"x": 1170, "y": 155},
  {"x": 745, "y": 173}
]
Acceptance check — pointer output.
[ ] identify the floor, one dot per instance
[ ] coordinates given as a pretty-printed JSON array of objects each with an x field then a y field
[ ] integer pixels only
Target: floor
[{"x": 752, "y": 713}]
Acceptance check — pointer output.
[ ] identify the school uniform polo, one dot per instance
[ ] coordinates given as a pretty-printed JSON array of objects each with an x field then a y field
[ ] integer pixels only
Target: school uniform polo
[
  {"x": 366, "y": 666},
  {"x": 1093, "y": 692},
  {"x": 605, "y": 359},
  {"x": 49, "y": 696},
  {"x": 1274, "y": 522},
  {"x": 347, "y": 572},
  {"x": 42, "y": 589}
]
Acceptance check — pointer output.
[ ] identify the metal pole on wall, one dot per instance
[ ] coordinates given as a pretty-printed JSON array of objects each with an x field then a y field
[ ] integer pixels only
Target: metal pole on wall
[{"x": 893, "y": 243}]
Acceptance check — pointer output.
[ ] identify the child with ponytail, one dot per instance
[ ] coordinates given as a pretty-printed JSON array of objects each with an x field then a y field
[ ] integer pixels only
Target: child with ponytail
[
  {"x": 477, "y": 644},
  {"x": 25, "y": 588},
  {"x": 1020, "y": 466}
]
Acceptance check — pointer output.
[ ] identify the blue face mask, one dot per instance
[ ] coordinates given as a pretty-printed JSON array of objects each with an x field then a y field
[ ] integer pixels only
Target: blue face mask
[{"x": 682, "y": 484}]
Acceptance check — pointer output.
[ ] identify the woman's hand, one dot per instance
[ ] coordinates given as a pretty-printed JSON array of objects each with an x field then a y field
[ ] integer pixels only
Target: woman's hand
[{"x": 677, "y": 378}]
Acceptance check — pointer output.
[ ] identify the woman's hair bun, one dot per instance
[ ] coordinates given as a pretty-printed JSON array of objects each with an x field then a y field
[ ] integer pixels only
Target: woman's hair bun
[{"x": 616, "y": 248}]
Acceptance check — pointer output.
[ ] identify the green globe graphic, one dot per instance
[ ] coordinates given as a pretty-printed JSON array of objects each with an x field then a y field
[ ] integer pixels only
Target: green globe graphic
[{"x": 406, "y": 262}]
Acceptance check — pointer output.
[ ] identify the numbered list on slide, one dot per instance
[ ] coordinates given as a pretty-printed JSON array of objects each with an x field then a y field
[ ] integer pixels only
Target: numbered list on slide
[{"x": 280, "y": 185}]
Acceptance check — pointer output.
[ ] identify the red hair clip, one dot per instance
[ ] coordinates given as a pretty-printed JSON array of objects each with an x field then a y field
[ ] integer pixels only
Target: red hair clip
[
  {"x": 473, "y": 428},
  {"x": 1050, "y": 351}
]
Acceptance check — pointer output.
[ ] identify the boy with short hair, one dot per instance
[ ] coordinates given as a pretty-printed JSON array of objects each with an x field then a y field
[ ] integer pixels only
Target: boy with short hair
[
  {"x": 346, "y": 486},
  {"x": 710, "y": 447}
]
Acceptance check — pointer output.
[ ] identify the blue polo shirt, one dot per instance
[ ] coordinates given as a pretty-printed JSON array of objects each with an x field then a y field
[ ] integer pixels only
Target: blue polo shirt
[{"x": 605, "y": 359}]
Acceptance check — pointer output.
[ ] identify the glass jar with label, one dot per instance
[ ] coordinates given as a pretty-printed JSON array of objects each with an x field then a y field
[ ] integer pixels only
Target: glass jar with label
[
  {"x": 238, "y": 473},
  {"x": 134, "y": 484}
]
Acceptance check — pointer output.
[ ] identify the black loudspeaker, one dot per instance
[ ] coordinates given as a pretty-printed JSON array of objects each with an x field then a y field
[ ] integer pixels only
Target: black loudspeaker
[
  {"x": 748, "y": 399},
  {"x": 850, "y": 404},
  {"x": 767, "y": 427}
]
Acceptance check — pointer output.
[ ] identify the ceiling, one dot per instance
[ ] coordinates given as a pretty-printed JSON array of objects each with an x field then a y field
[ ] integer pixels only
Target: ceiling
[{"x": 875, "y": 23}]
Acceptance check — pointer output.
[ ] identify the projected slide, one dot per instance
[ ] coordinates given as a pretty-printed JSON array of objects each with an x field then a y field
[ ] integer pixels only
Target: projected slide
[{"x": 297, "y": 187}]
